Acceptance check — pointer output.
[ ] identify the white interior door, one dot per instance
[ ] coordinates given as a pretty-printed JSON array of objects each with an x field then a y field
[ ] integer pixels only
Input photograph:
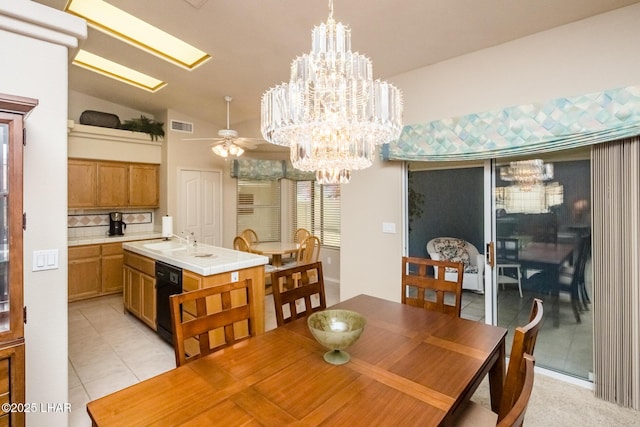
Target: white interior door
[{"x": 200, "y": 205}]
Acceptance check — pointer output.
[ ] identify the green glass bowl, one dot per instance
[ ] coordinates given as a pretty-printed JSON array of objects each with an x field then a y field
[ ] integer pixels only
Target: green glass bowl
[{"x": 336, "y": 330}]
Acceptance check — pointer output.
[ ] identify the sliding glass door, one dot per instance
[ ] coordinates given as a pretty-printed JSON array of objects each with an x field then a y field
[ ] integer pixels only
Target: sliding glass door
[
  {"x": 542, "y": 250},
  {"x": 535, "y": 213}
]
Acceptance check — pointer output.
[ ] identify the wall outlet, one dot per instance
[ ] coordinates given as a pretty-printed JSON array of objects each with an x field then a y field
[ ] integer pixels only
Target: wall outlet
[
  {"x": 328, "y": 260},
  {"x": 235, "y": 276}
]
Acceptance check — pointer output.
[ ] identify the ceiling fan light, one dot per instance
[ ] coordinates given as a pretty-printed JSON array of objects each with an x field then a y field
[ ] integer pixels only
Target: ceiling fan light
[
  {"x": 234, "y": 150},
  {"x": 220, "y": 150}
]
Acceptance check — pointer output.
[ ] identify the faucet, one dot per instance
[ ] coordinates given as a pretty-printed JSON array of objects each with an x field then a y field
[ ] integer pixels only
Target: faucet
[{"x": 185, "y": 237}]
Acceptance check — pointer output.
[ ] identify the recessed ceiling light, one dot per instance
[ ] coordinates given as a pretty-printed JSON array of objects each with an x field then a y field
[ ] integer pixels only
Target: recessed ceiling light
[
  {"x": 116, "y": 71},
  {"x": 118, "y": 23}
]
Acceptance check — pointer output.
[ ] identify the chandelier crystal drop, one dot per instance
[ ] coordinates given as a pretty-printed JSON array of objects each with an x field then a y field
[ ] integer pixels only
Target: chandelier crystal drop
[
  {"x": 331, "y": 113},
  {"x": 527, "y": 173}
]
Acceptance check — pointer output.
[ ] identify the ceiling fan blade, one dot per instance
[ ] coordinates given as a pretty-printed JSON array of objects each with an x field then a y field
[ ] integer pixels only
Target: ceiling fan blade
[{"x": 203, "y": 139}]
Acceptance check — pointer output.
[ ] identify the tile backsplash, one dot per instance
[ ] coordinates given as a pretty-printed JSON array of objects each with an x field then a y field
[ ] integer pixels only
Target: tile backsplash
[{"x": 82, "y": 223}]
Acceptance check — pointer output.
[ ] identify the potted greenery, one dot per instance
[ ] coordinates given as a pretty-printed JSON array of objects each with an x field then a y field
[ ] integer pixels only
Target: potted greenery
[{"x": 146, "y": 125}]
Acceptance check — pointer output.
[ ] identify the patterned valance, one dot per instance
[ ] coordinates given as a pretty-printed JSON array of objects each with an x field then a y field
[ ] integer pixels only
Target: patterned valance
[
  {"x": 554, "y": 125},
  {"x": 268, "y": 170}
]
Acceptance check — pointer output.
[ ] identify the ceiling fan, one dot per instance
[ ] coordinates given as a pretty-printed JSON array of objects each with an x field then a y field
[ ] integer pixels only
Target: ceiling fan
[{"x": 228, "y": 143}]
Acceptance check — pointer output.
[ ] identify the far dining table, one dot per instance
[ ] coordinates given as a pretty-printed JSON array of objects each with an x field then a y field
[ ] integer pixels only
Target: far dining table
[
  {"x": 275, "y": 250},
  {"x": 550, "y": 257},
  {"x": 410, "y": 367}
]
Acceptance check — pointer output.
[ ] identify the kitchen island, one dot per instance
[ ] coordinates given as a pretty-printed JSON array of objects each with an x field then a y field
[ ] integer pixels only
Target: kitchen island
[{"x": 198, "y": 266}]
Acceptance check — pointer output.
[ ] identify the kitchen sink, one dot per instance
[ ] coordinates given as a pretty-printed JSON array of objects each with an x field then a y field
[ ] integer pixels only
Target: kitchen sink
[{"x": 166, "y": 246}]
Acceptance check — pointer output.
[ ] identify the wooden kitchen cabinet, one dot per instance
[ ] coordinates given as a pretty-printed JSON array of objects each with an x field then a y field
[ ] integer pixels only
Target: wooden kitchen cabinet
[
  {"x": 84, "y": 272},
  {"x": 95, "y": 270},
  {"x": 111, "y": 261},
  {"x": 143, "y": 185},
  {"x": 103, "y": 184},
  {"x": 139, "y": 296},
  {"x": 112, "y": 185},
  {"x": 82, "y": 176},
  {"x": 12, "y": 310}
]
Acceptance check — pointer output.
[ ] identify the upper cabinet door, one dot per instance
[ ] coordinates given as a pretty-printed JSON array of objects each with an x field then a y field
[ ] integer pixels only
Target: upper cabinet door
[
  {"x": 113, "y": 184},
  {"x": 143, "y": 185},
  {"x": 81, "y": 183}
]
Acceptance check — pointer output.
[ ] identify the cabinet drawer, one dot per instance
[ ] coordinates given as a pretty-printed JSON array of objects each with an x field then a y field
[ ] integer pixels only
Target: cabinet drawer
[
  {"x": 79, "y": 252},
  {"x": 112, "y": 249},
  {"x": 140, "y": 263}
]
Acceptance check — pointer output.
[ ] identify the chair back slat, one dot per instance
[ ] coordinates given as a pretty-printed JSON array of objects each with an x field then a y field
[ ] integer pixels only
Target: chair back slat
[
  {"x": 524, "y": 342},
  {"x": 298, "y": 288},
  {"x": 432, "y": 292},
  {"x": 198, "y": 315},
  {"x": 507, "y": 249}
]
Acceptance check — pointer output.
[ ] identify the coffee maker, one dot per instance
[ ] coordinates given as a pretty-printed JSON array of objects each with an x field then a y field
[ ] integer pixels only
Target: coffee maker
[{"x": 116, "y": 225}]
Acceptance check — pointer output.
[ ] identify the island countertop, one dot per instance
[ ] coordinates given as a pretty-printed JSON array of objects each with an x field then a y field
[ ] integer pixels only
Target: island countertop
[{"x": 204, "y": 260}]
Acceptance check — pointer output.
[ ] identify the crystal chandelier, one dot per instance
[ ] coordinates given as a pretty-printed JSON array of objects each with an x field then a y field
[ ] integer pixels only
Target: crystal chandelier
[
  {"x": 527, "y": 173},
  {"x": 331, "y": 113}
]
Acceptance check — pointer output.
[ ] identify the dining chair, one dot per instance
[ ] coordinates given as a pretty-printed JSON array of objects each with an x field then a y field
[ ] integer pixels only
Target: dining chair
[
  {"x": 300, "y": 235},
  {"x": 297, "y": 287},
  {"x": 507, "y": 265},
  {"x": 432, "y": 292},
  {"x": 309, "y": 250},
  {"x": 241, "y": 244},
  {"x": 524, "y": 342},
  {"x": 209, "y": 319},
  {"x": 572, "y": 278},
  {"x": 480, "y": 417},
  {"x": 250, "y": 236}
]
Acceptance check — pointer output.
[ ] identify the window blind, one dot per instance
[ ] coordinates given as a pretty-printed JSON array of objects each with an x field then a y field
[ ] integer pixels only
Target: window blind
[
  {"x": 318, "y": 210},
  {"x": 258, "y": 208}
]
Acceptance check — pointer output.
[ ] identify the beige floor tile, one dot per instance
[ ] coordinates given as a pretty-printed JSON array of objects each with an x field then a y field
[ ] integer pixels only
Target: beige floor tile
[
  {"x": 116, "y": 380},
  {"x": 79, "y": 398}
]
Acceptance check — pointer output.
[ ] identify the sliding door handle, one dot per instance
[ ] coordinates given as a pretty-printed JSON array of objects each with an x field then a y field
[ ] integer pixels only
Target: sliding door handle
[{"x": 490, "y": 254}]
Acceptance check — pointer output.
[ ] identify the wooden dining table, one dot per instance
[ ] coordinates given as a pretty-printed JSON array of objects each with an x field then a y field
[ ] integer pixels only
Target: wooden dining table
[
  {"x": 550, "y": 257},
  {"x": 409, "y": 367},
  {"x": 275, "y": 250}
]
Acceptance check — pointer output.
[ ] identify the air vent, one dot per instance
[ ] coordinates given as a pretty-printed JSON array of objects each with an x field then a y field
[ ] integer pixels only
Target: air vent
[{"x": 181, "y": 126}]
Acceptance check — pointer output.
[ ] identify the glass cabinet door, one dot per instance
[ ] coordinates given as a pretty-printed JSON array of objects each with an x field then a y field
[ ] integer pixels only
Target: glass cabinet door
[
  {"x": 11, "y": 269},
  {"x": 4, "y": 231}
]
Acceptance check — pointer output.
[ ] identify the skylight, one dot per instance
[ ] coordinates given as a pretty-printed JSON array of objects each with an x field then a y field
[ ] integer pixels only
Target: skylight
[
  {"x": 116, "y": 71},
  {"x": 117, "y": 23}
]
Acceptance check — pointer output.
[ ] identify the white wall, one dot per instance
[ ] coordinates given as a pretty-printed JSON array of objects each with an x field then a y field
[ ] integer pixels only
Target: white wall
[
  {"x": 29, "y": 66},
  {"x": 587, "y": 56}
]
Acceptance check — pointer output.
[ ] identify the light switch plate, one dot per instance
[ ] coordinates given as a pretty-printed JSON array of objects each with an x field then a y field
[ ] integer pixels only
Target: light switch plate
[
  {"x": 389, "y": 227},
  {"x": 45, "y": 260},
  {"x": 235, "y": 276}
]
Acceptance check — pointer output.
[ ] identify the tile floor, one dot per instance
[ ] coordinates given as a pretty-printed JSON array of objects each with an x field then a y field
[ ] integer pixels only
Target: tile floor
[
  {"x": 567, "y": 348},
  {"x": 110, "y": 350}
]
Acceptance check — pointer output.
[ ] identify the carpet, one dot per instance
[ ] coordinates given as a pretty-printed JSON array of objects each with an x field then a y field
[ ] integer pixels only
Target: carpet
[{"x": 557, "y": 403}]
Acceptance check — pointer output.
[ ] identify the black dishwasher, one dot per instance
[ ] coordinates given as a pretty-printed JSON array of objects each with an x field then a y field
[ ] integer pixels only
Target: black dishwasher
[{"x": 168, "y": 282}]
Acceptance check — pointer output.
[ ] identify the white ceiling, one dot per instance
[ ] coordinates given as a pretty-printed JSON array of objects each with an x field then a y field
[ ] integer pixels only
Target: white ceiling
[{"x": 252, "y": 43}]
